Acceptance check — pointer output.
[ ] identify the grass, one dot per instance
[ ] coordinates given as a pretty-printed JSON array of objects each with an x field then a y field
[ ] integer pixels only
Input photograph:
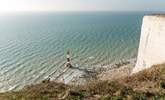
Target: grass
[{"x": 145, "y": 85}]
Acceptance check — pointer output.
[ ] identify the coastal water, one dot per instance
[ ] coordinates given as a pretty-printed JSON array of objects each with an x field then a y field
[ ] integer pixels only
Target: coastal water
[{"x": 33, "y": 45}]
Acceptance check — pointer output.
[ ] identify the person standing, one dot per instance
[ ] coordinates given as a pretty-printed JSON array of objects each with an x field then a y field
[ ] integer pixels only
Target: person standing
[{"x": 68, "y": 63}]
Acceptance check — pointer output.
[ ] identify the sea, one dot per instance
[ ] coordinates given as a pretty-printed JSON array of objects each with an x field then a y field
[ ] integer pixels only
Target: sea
[{"x": 33, "y": 45}]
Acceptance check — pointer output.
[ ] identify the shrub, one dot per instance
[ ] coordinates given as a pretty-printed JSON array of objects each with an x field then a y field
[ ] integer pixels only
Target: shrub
[
  {"x": 106, "y": 97},
  {"x": 139, "y": 96},
  {"x": 76, "y": 95},
  {"x": 162, "y": 84},
  {"x": 117, "y": 98},
  {"x": 126, "y": 91}
]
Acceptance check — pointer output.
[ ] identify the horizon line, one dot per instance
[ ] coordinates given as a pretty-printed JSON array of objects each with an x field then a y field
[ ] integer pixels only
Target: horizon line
[{"x": 87, "y": 11}]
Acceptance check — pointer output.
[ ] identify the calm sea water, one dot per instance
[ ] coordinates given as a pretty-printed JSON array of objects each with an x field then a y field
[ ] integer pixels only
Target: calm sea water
[{"x": 33, "y": 45}]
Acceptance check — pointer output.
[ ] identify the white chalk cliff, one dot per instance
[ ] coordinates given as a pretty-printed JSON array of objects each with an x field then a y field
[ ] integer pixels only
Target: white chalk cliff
[{"x": 152, "y": 42}]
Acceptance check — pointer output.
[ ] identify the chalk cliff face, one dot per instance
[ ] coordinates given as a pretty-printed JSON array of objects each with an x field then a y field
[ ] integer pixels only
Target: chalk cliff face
[{"x": 152, "y": 42}]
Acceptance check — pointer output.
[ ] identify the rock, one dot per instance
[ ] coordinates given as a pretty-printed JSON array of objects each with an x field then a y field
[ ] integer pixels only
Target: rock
[
  {"x": 46, "y": 80},
  {"x": 152, "y": 42}
]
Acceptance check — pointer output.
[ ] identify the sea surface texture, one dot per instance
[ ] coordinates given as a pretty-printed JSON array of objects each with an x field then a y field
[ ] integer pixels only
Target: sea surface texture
[{"x": 33, "y": 46}]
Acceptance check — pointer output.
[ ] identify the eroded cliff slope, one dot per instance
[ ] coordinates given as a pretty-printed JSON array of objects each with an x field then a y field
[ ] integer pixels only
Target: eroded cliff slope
[{"x": 152, "y": 42}]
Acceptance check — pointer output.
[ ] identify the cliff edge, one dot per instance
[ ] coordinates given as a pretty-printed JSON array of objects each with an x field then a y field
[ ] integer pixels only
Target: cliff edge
[{"x": 152, "y": 42}]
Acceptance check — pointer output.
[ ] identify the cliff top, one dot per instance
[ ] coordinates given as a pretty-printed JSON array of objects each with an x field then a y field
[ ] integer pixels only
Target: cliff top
[{"x": 157, "y": 15}]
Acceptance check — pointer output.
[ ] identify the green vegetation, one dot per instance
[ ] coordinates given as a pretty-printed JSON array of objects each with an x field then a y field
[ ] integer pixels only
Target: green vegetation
[{"x": 145, "y": 85}]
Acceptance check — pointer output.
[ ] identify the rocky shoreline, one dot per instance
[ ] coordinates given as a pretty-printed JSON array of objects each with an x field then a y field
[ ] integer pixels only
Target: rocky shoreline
[{"x": 78, "y": 75}]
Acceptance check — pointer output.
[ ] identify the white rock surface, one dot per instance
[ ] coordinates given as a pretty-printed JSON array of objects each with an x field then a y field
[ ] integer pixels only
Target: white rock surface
[
  {"x": 152, "y": 42},
  {"x": 75, "y": 75}
]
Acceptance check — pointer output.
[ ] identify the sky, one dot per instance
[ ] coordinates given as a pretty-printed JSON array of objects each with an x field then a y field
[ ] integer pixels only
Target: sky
[{"x": 81, "y": 5}]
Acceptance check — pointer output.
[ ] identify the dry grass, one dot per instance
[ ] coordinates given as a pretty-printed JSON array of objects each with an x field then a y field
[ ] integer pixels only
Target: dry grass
[
  {"x": 147, "y": 78},
  {"x": 145, "y": 85}
]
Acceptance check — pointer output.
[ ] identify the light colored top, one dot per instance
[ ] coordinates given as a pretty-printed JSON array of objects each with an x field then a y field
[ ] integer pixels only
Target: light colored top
[{"x": 67, "y": 56}]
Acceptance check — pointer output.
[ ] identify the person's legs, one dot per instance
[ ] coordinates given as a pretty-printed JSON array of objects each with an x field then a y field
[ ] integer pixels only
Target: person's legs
[{"x": 68, "y": 64}]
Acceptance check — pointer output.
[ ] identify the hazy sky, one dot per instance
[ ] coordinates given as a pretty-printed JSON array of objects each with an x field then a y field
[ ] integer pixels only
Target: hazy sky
[{"x": 81, "y": 5}]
